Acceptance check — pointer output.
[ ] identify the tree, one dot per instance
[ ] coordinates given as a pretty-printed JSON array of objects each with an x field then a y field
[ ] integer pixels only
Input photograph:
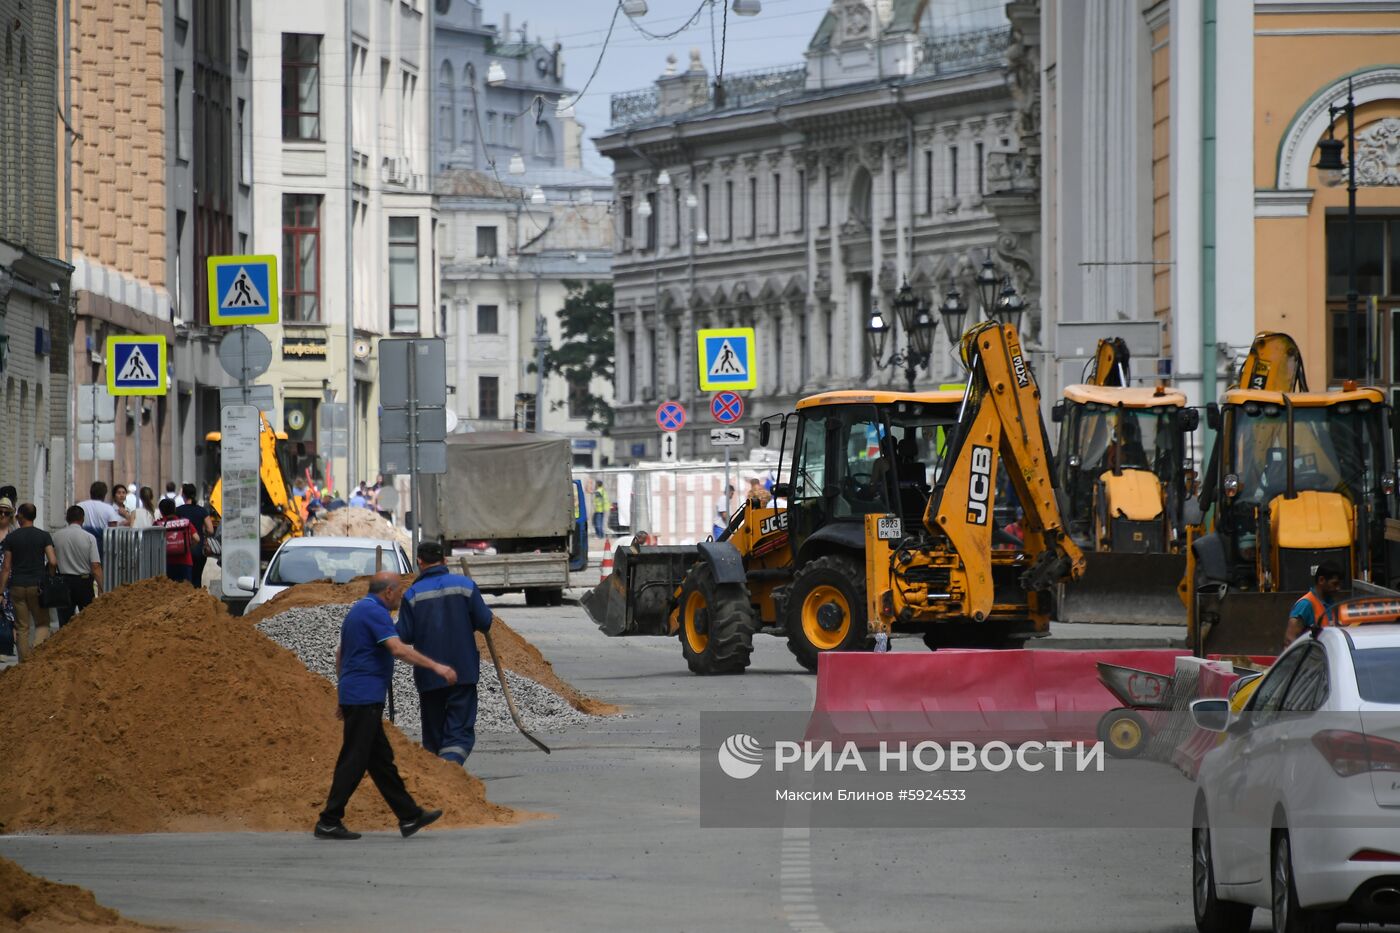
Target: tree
[{"x": 586, "y": 350}]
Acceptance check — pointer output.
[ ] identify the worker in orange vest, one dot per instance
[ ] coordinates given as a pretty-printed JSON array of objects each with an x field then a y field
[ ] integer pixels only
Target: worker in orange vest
[{"x": 1316, "y": 605}]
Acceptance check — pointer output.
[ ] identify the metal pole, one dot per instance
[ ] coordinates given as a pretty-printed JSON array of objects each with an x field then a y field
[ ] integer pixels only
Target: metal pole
[
  {"x": 140, "y": 404},
  {"x": 413, "y": 442},
  {"x": 350, "y": 407},
  {"x": 728, "y": 513},
  {"x": 1353, "y": 330},
  {"x": 243, "y": 363}
]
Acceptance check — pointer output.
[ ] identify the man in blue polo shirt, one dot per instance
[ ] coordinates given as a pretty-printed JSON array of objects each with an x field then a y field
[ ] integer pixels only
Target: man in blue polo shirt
[
  {"x": 364, "y": 664},
  {"x": 441, "y": 614}
]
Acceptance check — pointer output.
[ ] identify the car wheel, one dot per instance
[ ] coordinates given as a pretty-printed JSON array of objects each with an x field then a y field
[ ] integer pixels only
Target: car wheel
[
  {"x": 1212, "y": 915},
  {"x": 1288, "y": 916}
]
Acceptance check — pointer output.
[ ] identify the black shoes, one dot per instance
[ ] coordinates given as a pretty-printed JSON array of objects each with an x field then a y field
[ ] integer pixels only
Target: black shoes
[
  {"x": 409, "y": 827},
  {"x": 334, "y": 831}
]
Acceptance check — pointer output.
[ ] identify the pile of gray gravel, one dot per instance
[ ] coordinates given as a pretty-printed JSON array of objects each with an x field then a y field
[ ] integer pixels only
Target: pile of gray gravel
[{"x": 312, "y": 633}]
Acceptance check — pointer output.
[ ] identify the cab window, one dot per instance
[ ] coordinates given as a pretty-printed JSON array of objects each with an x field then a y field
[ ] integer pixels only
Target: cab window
[{"x": 1308, "y": 690}]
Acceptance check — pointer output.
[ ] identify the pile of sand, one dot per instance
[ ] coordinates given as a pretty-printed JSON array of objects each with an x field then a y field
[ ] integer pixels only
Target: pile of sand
[
  {"x": 157, "y": 711},
  {"x": 516, "y": 653},
  {"x": 353, "y": 522},
  {"x": 30, "y": 903}
]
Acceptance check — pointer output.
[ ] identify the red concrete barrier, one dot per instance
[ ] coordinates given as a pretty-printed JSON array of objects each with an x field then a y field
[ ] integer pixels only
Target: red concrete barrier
[{"x": 945, "y": 695}]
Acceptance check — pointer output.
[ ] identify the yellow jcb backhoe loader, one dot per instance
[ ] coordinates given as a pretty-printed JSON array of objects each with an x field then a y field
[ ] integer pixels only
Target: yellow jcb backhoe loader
[
  {"x": 280, "y": 513},
  {"x": 861, "y": 543},
  {"x": 1125, "y": 468},
  {"x": 1296, "y": 478}
]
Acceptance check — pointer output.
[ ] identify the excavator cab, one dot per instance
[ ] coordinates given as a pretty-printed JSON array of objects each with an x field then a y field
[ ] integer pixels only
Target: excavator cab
[
  {"x": 1296, "y": 478},
  {"x": 1125, "y": 469}
]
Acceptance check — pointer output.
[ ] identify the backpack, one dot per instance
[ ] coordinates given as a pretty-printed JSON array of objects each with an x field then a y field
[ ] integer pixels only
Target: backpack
[{"x": 177, "y": 538}]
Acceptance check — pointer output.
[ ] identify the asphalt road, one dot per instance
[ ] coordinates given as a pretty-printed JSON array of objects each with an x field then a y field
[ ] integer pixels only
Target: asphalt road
[{"x": 624, "y": 850}]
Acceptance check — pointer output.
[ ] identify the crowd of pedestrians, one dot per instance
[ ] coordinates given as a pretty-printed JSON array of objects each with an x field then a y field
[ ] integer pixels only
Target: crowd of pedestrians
[{"x": 46, "y": 578}]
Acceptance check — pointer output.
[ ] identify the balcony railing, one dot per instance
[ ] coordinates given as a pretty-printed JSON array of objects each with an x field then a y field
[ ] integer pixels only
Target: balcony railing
[
  {"x": 963, "y": 52},
  {"x": 741, "y": 89}
]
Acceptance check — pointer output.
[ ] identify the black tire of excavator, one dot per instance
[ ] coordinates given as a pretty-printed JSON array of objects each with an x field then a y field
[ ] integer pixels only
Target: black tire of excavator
[
  {"x": 848, "y": 576},
  {"x": 730, "y": 628}
]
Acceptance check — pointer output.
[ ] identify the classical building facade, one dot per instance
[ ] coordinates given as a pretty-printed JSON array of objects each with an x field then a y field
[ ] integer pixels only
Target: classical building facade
[
  {"x": 305, "y": 195},
  {"x": 1180, "y": 187},
  {"x": 35, "y": 322},
  {"x": 520, "y": 221},
  {"x": 795, "y": 200}
]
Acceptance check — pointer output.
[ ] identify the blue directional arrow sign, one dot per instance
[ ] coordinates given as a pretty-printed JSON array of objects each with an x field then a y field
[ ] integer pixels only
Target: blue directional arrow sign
[
  {"x": 136, "y": 365},
  {"x": 243, "y": 290}
]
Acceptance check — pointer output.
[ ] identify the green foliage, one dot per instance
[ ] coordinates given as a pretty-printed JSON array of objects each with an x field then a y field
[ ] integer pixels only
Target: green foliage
[{"x": 586, "y": 349}]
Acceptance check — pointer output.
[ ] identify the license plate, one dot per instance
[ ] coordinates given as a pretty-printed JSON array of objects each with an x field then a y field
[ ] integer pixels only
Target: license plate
[{"x": 889, "y": 529}]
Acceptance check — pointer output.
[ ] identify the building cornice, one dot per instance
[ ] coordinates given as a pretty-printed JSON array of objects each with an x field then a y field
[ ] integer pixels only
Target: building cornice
[{"x": 1271, "y": 202}]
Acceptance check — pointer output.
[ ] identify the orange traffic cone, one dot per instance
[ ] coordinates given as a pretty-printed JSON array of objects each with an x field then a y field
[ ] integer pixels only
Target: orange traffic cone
[{"x": 607, "y": 565}]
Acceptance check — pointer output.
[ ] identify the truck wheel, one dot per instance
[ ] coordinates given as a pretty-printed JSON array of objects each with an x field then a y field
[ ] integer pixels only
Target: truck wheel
[
  {"x": 826, "y": 610},
  {"x": 536, "y": 598},
  {"x": 1124, "y": 733},
  {"x": 553, "y": 597},
  {"x": 717, "y": 623}
]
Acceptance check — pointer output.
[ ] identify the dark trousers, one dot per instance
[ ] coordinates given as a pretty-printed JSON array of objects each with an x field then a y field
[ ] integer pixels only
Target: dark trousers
[
  {"x": 365, "y": 747},
  {"x": 598, "y": 524},
  {"x": 180, "y": 573},
  {"x": 198, "y": 573},
  {"x": 79, "y": 595},
  {"x": 449, "y": 721}
]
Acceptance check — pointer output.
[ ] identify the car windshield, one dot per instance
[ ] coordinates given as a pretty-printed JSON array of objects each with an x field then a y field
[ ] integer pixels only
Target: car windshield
[
  {"x": 338, "y": 564},
  {"x": 1378, "y": 674},
  {"x": 1335, "y": 449}
]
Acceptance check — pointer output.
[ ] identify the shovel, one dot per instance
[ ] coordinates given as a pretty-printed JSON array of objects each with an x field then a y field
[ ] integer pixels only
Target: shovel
[{"x": 505, "y": 690}]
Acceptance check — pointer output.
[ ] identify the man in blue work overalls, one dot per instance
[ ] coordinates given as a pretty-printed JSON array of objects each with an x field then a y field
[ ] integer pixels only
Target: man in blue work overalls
[{"x": 440, "y": 615}]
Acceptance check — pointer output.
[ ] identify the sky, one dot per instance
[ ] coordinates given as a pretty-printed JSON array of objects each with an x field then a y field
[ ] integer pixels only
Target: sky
[{"x": 777, "y": 36}]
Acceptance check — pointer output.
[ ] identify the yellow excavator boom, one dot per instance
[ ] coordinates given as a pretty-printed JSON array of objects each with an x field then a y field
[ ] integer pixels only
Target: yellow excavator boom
[
  {"x": 1001, "y": 422},
  {"x": 1274, "y": 364}
]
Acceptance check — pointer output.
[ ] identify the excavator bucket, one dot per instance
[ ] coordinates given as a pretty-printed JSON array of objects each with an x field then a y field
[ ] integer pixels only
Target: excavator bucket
[
  {"x": 1125, "y": 588},
  {"x": 1250, "y": 624},
  {"x": 636, "y": 598}
]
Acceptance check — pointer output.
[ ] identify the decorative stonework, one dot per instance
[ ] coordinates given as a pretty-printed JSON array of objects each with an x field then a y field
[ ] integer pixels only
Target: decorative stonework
[
  {"x": 1378, "y": 153},
  {"x": 1297, "y": 152}
]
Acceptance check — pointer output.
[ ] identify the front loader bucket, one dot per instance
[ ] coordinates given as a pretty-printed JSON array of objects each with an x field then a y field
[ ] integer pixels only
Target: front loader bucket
[
  {"x": 1125, "y": 588},
  {"x": 1249, "y": 624},
  {"x": 636, "y": 598}
]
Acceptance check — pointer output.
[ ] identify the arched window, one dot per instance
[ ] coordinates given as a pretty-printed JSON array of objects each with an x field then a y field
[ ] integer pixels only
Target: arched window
[
  {"x": 859, "y": 209},
  {"x": 544, "y": 142},
  {"x": 447, "y": 106}
]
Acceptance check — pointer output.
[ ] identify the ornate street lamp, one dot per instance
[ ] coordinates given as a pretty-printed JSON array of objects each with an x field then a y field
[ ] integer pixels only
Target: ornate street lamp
[
  {"x": 1009, "y": 306},
  {"x": 917, "y": 324},
  {"x": 1331, "y": 167},
  {"x": 987, "y": 282},
  {"x": 954, "y": 314}
]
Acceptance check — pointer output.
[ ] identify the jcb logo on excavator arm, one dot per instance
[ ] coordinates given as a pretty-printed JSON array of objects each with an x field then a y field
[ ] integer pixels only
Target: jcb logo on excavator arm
[
  {"x": 1018, "y": 366},
  {"x": 979, "y": 484}
]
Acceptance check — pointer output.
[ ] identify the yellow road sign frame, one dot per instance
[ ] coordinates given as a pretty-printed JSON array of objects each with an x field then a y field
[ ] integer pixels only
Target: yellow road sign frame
[
  {"x": 274, "y": 290},
  {"x": 161, "y": 369},
  {"x": 708, "y": 385}
]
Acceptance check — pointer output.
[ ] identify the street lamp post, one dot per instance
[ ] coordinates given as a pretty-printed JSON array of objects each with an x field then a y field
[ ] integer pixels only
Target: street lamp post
[
  {"x": 918, "y": 326},
  {"x": 1329, "y": 160}
]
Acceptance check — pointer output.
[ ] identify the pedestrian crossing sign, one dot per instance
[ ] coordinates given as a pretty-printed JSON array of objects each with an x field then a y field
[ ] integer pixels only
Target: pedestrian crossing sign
[
  {"x": 243, "y": 290},
  {"x": 727, "y": 359},
  {"x": 136, "y": 365}
]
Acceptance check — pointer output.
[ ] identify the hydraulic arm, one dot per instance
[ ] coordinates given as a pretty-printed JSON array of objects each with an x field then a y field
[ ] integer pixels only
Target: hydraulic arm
[{"x": 1000, "y": 423}]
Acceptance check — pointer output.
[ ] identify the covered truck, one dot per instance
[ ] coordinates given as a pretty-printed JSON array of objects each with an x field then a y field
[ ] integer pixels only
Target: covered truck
[{"x": 509, "y": 500}]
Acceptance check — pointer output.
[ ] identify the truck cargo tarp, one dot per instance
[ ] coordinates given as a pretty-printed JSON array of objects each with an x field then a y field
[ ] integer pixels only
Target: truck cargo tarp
[{"x": 501, "y": 484}]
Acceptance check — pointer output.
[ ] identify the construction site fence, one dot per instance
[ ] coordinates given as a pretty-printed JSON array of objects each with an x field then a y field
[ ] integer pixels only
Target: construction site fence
[
  {"x": 131, "y": 554},
  {"x": 676, "y": 503}
]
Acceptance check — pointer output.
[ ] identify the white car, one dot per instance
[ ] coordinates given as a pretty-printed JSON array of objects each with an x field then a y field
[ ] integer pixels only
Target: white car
[
  {"x": 1298, "y": 810},
  {"x": 339, "y": 560}
]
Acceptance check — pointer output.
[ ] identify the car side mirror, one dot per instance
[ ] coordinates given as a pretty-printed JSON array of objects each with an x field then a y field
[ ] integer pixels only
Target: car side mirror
[
  {"x": 1189, "y": 419},
  {"x": 782, "y": 490},
  {"x": 247, "y": 584},
  {"x": 765, "y": 433},
  {"x": 1057, "y": 412},
  {"x": 1213, "y": 416},
  {"x": 1212, "y": 715}
]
